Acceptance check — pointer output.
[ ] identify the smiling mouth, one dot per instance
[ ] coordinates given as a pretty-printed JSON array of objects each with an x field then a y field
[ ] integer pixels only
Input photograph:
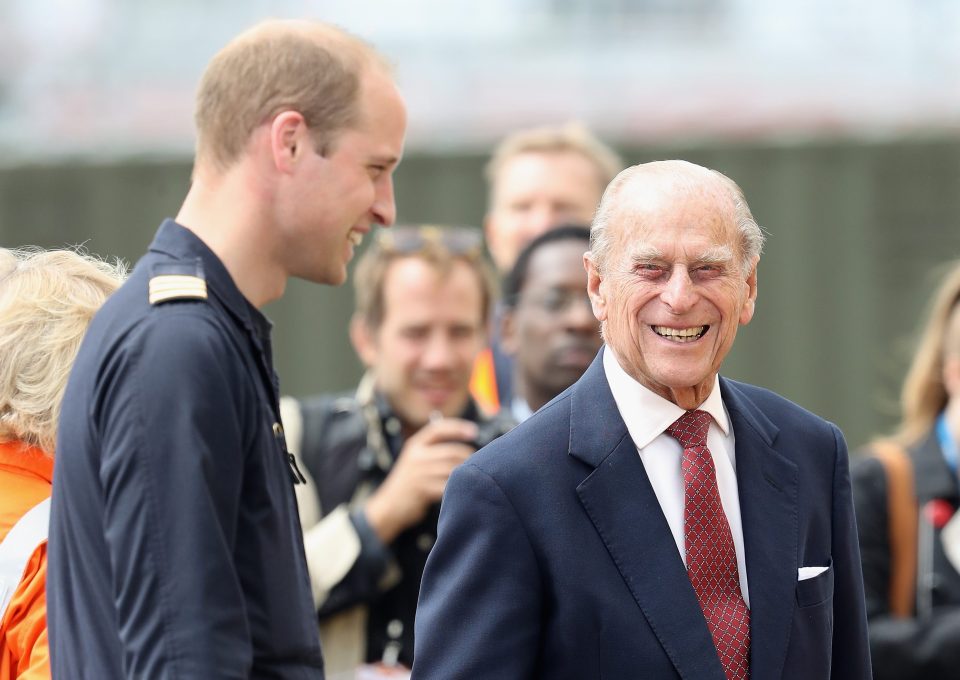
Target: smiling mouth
[
  {"x": 356, "y": 237},
  {"x": 681, "y": 334}
]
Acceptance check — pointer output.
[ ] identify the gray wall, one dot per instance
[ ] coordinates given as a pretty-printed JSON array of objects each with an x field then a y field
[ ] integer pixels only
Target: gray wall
[{"x": 858, "y": 232}]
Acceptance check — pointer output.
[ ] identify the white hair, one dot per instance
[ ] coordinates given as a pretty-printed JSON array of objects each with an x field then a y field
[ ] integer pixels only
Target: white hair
[
  {"x": 47, "y": 299},
  {"x": 692, "y": 177}
]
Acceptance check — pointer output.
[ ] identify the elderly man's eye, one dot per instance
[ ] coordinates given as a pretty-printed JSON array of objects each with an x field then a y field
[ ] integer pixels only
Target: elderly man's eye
[
  {"x": 650, "y": 270},
  {"x": 708, "y": 271}
]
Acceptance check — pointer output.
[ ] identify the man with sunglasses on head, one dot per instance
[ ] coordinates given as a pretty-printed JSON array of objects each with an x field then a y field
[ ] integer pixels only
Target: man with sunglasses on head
[
  {"x": 547, "y": 325},
  {"x": 175, "y": 545},
  {"x": 379, "y": 458}
]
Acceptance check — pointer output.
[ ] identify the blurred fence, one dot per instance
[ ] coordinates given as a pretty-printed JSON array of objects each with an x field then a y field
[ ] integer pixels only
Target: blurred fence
[{"x": 858, "y": 231}]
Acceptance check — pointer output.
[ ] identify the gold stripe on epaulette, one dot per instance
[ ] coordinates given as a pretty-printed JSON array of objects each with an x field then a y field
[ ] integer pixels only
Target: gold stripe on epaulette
[{"x": 176, "y": 287}]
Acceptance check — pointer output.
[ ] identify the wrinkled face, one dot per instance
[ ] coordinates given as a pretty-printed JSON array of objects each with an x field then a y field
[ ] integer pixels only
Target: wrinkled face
[
  {"x": 534, "y": 192},
  {"x": 673, "y": 292},
  {"x": 433, "y": 328},
  {"x": 552, "y": 332},
  {"x": 332, "y": 200}
]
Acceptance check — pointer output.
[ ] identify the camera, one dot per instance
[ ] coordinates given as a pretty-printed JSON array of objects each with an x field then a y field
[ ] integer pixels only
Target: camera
[{"x": 490, "y": 430}]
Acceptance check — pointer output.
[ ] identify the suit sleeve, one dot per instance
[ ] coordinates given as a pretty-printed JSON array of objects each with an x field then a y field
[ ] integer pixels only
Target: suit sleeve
[
  {"x": 851, "y": 652},
  {"x": 900, "y": 648},
  {"x": 480, "y": 600},
  {"x": 174, "y": 416}
]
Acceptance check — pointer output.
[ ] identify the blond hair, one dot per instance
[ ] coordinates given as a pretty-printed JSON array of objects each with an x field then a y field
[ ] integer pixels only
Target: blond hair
[
  {"x": 924, "y": 395},
  {"x": 304, "y": 66},
  {"x": 47, "y": 299},
  {"x": 568, "y": 138}
]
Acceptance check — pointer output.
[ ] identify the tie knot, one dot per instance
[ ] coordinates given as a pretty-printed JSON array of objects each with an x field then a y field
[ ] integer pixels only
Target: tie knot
[{"x": 690, "y": 429}]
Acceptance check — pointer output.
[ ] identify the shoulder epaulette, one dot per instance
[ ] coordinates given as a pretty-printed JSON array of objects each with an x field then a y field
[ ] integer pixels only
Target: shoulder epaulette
[{"x": 181, "y": 280}]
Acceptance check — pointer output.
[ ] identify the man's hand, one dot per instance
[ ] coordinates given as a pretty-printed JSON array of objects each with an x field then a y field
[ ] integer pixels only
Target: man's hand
[{"x": 419, "y": 476}]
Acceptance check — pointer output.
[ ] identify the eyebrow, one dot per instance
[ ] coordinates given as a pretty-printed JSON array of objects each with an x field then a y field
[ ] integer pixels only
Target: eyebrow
[
  {"x": 718, "y": 254},
  {"x": 646, "y": 253}
]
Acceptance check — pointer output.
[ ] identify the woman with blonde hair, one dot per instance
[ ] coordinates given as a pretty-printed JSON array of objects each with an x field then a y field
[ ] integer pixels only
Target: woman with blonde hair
[
  {"x": 906, "y": 494},
  {"x": 47, "y": 299}
]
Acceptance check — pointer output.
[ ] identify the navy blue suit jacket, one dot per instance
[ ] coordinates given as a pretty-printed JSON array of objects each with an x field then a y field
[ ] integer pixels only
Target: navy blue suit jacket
[{"x": 554, "y": 559}]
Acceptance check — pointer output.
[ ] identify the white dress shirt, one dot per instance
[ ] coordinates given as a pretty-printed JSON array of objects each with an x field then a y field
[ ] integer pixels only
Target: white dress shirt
[
  {"x": 647, "y": 416},
  {"x": 520, "y": 409}
]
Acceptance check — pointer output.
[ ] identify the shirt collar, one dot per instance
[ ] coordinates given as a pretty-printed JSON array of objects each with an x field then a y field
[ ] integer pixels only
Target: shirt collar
[
  {"x": 520, "y": 409},
  {"x": 181, "y": 243},
  {"x": 647, "y": 414}
]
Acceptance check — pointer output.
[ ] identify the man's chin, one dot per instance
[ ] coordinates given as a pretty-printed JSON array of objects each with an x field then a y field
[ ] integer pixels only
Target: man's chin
[{"x": 327, "y": 276}]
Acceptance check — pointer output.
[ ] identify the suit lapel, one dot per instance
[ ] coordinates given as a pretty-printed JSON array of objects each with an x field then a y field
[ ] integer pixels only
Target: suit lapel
[
  {"x": 621, "y": 503},
  {"x": 768, "y": 489}
]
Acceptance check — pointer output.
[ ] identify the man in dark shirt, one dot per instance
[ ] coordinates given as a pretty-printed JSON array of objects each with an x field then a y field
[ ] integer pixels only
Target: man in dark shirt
[
  {"x": 175, "y": 549},
  {"x": 380, "y": 457}
]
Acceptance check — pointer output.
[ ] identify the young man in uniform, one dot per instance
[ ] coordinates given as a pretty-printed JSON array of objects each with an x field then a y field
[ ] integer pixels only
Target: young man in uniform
[{"x": 175, "y": 547}]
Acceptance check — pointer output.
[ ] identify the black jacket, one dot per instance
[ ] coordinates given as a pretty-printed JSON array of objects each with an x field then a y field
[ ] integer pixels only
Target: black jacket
[
  {"x": 927, "y": 646},
  {"x": 175, "y": 546},
  {"x": 347, "y": 465}
]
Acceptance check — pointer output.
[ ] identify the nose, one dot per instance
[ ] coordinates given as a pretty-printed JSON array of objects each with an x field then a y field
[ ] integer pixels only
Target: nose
[
  {"x": 438, "y": 353},
  {"x": 679, "y": 293},
  {"x": 384, "y": 208}
]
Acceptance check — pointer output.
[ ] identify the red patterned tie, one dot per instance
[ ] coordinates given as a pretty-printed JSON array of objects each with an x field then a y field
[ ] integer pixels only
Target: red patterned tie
[{"x": 711, "y": 557}]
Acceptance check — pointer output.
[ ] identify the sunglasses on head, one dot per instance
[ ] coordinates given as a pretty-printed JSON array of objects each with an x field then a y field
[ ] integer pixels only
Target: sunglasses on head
[{"x": 455, "y": 240}]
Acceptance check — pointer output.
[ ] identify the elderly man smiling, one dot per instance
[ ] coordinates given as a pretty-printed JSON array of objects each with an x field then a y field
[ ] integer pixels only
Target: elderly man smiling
[{"x": 655, "y": 520}]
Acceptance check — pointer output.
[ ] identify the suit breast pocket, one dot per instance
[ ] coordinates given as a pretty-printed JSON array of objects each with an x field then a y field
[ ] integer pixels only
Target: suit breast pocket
[
  {"x": 811, "y": 637},
  {"x": 816, "y": 590}
]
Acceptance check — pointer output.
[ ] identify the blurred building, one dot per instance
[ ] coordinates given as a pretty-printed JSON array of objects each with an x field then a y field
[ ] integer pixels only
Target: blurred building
[{"x": 111, "y": 78}]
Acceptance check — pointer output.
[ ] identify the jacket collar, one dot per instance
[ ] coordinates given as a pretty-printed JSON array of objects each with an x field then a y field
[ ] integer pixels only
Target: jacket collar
[
  {"x": 179, "y": 242},
  {"x": 619, "y": 500}
]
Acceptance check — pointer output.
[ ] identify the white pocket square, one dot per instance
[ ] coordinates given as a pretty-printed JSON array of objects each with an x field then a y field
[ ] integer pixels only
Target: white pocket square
[{"x": 804, "y": 573}]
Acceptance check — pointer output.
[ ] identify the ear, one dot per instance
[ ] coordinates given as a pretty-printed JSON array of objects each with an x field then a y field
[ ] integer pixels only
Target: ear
[
  {"x": 750, "y": 304},
  {"x": 364, "y": 340},
  {"x": 951, "y": 375},
  {"x": 289, "y": 140},
  {"x": 594, "y": 284}
]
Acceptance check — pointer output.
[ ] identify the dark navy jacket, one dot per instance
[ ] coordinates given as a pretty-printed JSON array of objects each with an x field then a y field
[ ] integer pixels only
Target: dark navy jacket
[
  {"x": 175, "y": 548},
  {"x": 927, "y": 645},
  {"x": 554, "y": 560}
]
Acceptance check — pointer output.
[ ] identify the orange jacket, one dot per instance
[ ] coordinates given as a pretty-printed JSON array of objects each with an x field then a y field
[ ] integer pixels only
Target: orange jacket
[{"x": 26, "y": 475}]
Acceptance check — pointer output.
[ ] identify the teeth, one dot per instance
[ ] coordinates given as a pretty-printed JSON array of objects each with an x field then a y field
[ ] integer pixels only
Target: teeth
[
  {"x": 356, "y": 238},
  {"x": 680, "y": 334}
]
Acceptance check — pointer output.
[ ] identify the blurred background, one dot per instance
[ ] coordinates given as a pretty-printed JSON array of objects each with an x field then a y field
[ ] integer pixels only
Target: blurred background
[{"x": 840, "y": 120}]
